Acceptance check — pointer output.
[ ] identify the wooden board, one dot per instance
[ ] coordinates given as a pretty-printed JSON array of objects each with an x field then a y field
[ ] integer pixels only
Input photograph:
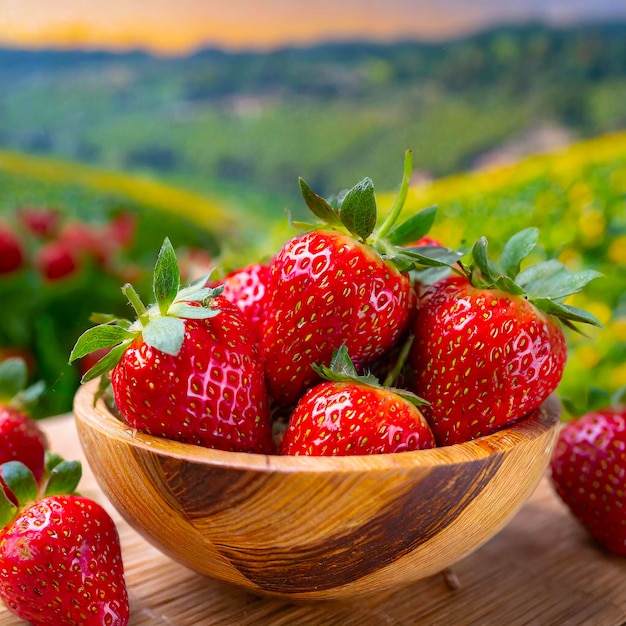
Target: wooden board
[{"x": 540, "y": 569}]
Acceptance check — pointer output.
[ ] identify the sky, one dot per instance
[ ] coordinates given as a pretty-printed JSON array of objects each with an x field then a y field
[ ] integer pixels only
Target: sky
[{"x": 180, "y": 26}]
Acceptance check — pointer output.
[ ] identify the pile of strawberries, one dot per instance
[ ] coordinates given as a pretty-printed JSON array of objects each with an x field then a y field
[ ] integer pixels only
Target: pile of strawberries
[
  {"x": 60, "y": 555},
  {"x": 355, "y": 338},
  {"x": 57, "y": 248}
]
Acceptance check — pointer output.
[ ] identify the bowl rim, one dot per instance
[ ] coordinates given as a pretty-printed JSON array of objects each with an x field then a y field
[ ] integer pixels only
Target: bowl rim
[{"x": 97, "y": 416}]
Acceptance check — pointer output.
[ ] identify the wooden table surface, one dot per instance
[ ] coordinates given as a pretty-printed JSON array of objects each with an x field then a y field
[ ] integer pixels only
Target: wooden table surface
[{"x": 540, "y": 569}]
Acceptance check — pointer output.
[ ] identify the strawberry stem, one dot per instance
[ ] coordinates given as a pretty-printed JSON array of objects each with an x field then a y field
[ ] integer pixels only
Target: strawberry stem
[
  {"x": 398, "y": 205},
  {"x": 133, "y": 297},
  {"x": 394, "y": 372}
]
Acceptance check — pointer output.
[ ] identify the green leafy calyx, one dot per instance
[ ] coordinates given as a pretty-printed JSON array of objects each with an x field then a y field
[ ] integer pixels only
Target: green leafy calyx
[
  {"x": 161, "y": 325},
  {"x": 19, "y": 489},
  {"x": 14, "y": 388},
  {"x": 546, "y": 284},
  {"x": 342, "y": 369},
  {"x": 357, "y": 213}
]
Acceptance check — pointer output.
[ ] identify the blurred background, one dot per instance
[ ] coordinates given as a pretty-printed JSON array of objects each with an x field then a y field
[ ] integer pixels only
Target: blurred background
[{"x": 123, "y": 122}]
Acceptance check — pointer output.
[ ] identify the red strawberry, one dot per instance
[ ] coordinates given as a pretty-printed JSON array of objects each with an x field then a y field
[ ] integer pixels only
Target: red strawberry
[
  {"x": 40, "y": 221},
  {"x": 589, "y": 474},
  {"x": 56, "y": 260},
  {"x": 122, "y": 228},
  {"x": 60, "y": 557},
  {"x": 11, "y": 251},
  {"x": 21, "y": 438},
  {"x": 247, "y": 288},
  {"x": 88, "y": 240},
  {"x": 426, "y": 241},
  {"x": 488, "y": 347},
  {"x": 351, "y": 415},
  {"x": 187, "y": 369},
  {"x": 328, "y": 288}
]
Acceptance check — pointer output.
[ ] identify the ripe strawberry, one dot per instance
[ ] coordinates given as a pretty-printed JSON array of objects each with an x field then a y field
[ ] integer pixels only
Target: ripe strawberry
[
  {"x": 122, "y": 228},
  {"x": 187, "y": 369},
  {"x": 247, "y": 289},
  {"x": 60, "y": 556},
  {"x": 11, "y": 251},
  {"x": 21, "y": 438},
  {"x": 353, "y": 414},
  {"x": 344, "y": 282},
  {"x": 56, "y": 260},
  {"x": 88, "y": 240},
  {"x": 40, "y": 221},
  {"x": 589, "y": 473},
  {"x": 488, "y": 347}
]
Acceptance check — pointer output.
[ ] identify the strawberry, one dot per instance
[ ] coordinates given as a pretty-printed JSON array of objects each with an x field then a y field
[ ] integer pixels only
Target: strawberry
[
  {"x": 56, "y": 260},
  {"x": 187, "y": 369},
  {"x": 21, "y": 438},
  {"x": 122, "y": 228},
  {"x": 40, "y": 221},
  {"x": 60, "y": 556},
  {"x": 345, "y": 281},
  {"x": 247, "y": 289},
  {"x": 488, "y": 345},
  {"x": 588, "y": 471},
  {"x": 351, "y": 414},
  {"x": 11, "y": 251}
]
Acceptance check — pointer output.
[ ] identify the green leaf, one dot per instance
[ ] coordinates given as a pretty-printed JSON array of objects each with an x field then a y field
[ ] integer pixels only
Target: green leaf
[
  {"x": 341, "y": 362},
  {"x": 538, "y": 272},
  {"x": 193, "y": 293},
  {"x": 7, "y": 509},
  {"x": 409, "y": 396},
  {"x": 52, "y": 460},
  {"x": 516, "y": 249},
  {"x": 566, "y": 312},
  {"x": 64, "y": 478},
  {"x": 31, "y": 395},
  {"x": 358, "y": 212},
  {"x": 20, "y": 480},
  {"x": 431, "y": 256},
  {"x": 98, "y": 337},
  {"x": 188, "y": 311},
  {"x": 165, "y": 334},
  {"x": 413, "y": 228},
  {"x": 107, "y": 362},
  {"x": 318, "y": 206},
  {"x": 166, "y": 280},
  {"x": 107, "y": 318},
  {"x": 488, "y": 269},
  {"x": 561, "y": 284},
  {"x": 504, "y": 283},
  {"x": 13, "y": 377},
  {"x": 342, "y": 369}
]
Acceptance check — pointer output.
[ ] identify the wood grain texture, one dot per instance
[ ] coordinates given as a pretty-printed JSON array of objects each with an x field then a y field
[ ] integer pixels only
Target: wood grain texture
[
  {"x": 541, "y": 568},
  {"x": 315, "y": 528}
]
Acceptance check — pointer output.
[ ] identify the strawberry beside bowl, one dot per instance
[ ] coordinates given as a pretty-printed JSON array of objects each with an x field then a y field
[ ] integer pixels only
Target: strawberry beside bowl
[{"x": 315, "y": 527}]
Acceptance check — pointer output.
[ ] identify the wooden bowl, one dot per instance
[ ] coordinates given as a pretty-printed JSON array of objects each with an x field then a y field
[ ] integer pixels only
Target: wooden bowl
[{"x": 315, "y": 527}]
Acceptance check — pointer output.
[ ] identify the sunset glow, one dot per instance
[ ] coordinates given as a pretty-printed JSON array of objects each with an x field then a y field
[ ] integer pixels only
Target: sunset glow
[{"x": 178, "y": 27}]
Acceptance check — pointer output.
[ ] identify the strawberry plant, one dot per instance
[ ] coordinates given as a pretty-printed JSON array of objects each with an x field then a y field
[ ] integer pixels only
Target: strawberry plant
[
  {"x": 60, "y": 556},
  {"x": 188, "y": 368}
]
